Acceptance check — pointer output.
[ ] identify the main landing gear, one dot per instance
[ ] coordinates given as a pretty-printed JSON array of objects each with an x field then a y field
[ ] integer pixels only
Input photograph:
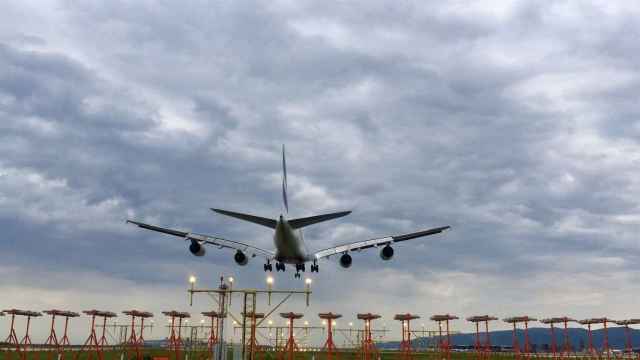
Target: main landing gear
[
  {"x": 279, "y": 266},
  {"x": 299, "y": 267},
  {"x": 269, "y": 267}
]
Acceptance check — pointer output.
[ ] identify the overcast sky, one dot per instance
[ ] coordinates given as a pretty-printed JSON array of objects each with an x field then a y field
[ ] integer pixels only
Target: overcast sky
[{"x": 516, "y": 123}]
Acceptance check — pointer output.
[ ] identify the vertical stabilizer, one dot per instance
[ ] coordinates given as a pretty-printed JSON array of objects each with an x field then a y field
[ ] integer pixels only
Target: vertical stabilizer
[{"x": 284, "y": 182}]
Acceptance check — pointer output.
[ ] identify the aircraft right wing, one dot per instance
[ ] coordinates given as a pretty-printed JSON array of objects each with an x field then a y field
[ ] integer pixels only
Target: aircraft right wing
[
  {"x": 210, "y": 240},
  {"x": 366, "y": 244}
]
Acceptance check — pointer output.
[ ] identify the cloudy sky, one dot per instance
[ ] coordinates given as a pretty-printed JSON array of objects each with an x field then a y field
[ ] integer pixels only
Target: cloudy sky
[{"x": 515, "y": 123}]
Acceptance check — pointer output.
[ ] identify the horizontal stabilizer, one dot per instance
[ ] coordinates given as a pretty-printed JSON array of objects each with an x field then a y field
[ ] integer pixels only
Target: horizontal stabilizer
[
  {"x": 302, "y": 222},
  {"x": 270, "y": 223}
]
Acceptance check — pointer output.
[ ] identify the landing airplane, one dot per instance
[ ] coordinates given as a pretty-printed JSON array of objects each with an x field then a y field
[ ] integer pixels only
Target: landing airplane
[{"x": 288, "y": 238}]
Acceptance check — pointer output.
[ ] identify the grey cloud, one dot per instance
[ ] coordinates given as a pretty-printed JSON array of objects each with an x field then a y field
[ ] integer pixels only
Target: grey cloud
[{"x": 502, "y": 124}]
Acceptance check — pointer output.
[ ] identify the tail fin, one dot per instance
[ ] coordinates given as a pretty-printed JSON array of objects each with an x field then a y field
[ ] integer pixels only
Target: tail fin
[
  {"x": 270, "y": 223},
  {"x": 284, "y": 182},
  {"x": 302, "y": 222}
]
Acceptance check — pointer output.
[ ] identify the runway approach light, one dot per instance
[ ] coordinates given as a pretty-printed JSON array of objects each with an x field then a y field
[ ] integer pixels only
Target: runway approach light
[
  {"x": 306, "y": 323},
  {"x": 270, "y": 322},
  {"x": 350, "y": 324},
  {"x": 192, "y": 281},
  {"x": 308, "y": 281},
  {"x": 231, "y": 279},
  {"x": 269, "y": 288}
]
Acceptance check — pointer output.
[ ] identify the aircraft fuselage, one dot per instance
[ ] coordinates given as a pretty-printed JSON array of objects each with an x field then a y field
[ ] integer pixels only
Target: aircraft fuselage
[{"x": 289, "y": 244}]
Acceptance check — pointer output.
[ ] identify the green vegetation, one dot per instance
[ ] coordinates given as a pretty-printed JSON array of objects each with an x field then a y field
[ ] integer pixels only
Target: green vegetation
[{"x": 150, "y": 354}]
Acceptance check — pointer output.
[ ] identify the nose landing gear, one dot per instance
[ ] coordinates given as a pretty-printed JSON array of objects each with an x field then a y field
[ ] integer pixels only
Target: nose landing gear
[
  {"x": 280, "y": 266},
  {"x": 315, "y": 267}
]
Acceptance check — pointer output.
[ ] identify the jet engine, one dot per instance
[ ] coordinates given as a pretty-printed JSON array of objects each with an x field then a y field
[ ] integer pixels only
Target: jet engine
[
  {"x": 196, "y": 248},
  {"x": 240, "y": 258},
  {"x": 386, "y": 253},
  {"x": 345, "y": 261}
]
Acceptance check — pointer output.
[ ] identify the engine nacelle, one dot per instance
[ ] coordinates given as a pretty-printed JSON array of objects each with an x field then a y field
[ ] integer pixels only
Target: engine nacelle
[
  {"x": 240, "y": 258},
  {"x": 345, "y": 261},
  {"x": 386, "y": 253},
  {"x": 196, "y": 248}
]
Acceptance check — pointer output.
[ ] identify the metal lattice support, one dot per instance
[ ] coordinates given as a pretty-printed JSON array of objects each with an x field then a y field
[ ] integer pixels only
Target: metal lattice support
[
  {"x": 252, "y": 341},
  {"x": 21, "y": 346},
  {"x": 405, "y": 344},
  {"x": 92, "y": 343},
  {"x": 135, "y": 341},
  {"x": 224, "y": 294},
  {"x": 175, "y": 340},
  {"x": 288, "y": 352},
  {"x": 329, "y": 346},
  {"x": 483, "y": 349},
  {"x": 212, "y": 340},
  {"x": 516, "y": 346},
  {"x": 445, "y": 346},
  {"x": 628, "y": 343},
  {"x": 605, "y": 343},
  {"x": 566, "y": 346},
  {"x": 53, "y": 344},
  {"x": 368, "y": 350}
]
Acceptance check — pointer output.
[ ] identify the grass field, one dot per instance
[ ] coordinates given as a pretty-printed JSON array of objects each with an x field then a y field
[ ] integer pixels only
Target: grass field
[{"x": 150, "y": 354}]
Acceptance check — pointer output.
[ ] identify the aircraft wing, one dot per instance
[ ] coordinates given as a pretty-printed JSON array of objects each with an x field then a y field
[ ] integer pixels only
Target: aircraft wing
[
  {"x": 221, "y": 243},
  {"x": 366, "y": 244}
]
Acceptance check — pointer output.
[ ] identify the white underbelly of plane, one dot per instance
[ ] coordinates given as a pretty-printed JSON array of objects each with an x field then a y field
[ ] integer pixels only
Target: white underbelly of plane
[{"x": 288, "y": 249}]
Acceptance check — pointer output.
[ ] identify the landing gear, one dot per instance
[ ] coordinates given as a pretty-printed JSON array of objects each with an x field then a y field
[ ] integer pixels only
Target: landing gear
[
  {"x": 315, "y": 267},
  {"x": 299, "y": 268},
  {"x": 269, "y": 267},
  {"x": 280, "y": 266}
]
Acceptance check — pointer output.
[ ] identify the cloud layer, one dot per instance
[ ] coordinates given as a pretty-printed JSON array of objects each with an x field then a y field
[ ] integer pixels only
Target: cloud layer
[{"x": 515, "y": 123}]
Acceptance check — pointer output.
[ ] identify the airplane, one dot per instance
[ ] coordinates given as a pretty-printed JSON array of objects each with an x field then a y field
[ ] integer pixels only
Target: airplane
[{"x": 288, "y": 238}]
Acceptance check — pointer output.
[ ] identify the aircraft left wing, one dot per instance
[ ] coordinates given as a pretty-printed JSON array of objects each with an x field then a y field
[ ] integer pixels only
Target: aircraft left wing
[
  {"x": 366, "y": 244},
  {"x": 221, "y": 243}
]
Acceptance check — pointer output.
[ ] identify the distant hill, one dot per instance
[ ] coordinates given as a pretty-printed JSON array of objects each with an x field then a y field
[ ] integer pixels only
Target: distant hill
[{"x": 540, "y": 338}]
